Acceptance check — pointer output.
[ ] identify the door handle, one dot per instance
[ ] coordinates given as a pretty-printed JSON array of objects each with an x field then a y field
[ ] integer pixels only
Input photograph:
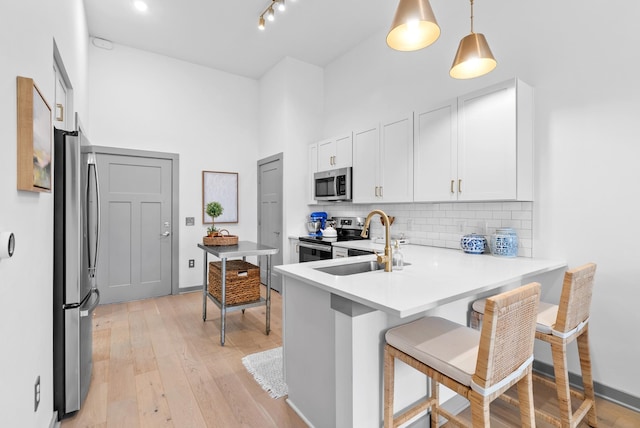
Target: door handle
[{"x": 167, "y": 233}]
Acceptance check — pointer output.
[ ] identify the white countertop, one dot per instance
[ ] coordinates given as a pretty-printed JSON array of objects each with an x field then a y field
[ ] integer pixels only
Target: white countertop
[{"x": 435, "y": 277}]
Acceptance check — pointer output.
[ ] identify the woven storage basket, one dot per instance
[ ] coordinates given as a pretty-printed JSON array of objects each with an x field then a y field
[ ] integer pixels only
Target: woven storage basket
[
  {"x": 221, "y": 239},
  {"x": 242, "y": 281}
]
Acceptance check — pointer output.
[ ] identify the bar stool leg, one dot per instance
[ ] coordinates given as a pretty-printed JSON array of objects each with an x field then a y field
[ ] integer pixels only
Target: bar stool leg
[
  {"x": 527, "y": 410},
  {"x": 480, "y": 415},
  {"x": 559, "y": 352},
  {"x": 389, "y": 369},
  {"x": 587, "y": 379},
  {"x": 435, "y": 396}
]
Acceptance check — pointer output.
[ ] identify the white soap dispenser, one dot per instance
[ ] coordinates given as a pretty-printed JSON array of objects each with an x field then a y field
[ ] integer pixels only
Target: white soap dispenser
[{"x": 398, "y": 258}]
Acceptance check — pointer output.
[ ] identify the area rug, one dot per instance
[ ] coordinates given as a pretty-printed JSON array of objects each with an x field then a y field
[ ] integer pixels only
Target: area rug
[{"x": 266, "y": 368}]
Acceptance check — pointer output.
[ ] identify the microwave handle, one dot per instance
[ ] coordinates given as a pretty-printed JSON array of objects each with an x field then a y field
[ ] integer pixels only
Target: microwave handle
[{"x": 335, "y": 185}]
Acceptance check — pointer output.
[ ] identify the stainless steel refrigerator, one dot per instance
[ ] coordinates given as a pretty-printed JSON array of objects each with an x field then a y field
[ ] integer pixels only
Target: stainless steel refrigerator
[{"x": 75, "y": 255}]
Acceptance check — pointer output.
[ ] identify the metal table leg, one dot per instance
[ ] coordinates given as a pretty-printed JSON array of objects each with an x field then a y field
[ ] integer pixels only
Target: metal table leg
[
  {"x": 204, "y": 288},
  {"x": 223, "y": 303},
  {"x": 268, "y": 293}
]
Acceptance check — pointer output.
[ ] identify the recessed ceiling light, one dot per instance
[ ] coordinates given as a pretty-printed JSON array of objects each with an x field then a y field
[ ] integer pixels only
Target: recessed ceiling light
[{"x": 140, "y": 5}]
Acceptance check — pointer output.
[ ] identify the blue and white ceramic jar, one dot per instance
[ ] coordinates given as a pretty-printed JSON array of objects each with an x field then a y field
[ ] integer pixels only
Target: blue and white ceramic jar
[
  {"x": 504, "y": 243},
  {"x": 473, "y": 243}
]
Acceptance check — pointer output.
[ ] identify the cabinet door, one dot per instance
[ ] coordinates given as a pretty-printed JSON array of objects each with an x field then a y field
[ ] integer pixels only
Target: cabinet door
[
  {"x": 487, "y": 144},
  {"x": 396, "y": 160},
  {"x": 294, "y": 250},
  {"x": 326, "y": 155},
  {"x": 313, "y": 168},
  {"x": 343, "y": 151},
  {"x": 435, "y": 170},
  {"x": 366, "y": 163}
]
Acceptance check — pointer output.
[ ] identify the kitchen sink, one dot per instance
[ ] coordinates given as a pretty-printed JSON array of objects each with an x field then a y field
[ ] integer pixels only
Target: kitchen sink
[{"x": 354, "y": 268}]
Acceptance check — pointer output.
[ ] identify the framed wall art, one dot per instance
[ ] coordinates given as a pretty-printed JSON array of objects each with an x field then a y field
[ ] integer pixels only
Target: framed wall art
[
  {"x": 221, "y": 187},
  {"x": 34, "y": 138}
]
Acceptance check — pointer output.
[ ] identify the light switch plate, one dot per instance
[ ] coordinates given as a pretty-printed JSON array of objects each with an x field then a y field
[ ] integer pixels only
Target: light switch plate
[{"x": 190, "y": 221}]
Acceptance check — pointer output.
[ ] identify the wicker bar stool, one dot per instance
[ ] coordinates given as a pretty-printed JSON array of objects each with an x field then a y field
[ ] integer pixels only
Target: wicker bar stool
[
  {"x": 560, "y": 325},
  {"x": 480, "y": 366}
]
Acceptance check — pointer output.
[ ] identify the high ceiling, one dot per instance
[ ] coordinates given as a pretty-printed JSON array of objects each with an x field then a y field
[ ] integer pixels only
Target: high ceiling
[{"x": 224, "y": 34}]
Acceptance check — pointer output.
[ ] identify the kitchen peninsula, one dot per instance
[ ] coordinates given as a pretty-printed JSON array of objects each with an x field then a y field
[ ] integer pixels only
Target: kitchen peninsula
[{"x": 334, "y": 325}]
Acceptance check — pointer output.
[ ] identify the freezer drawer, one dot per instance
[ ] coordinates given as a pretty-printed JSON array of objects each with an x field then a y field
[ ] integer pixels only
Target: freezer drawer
[{"x": 78, "y": 352}]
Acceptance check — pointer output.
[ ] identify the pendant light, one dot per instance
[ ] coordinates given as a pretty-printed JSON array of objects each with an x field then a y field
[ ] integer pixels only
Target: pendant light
[
  {"x": 474, "y": 58},
  {"x": 414, "y": 26}
]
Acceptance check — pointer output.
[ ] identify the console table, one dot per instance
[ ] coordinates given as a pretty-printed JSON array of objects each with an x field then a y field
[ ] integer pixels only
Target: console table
[{"x": 224, "y": 252}]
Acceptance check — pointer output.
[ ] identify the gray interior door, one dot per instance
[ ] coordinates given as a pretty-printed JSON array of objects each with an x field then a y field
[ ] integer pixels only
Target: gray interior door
[
  {"x": 270, "y": 213},
  {"x": 136, "y": 239}
]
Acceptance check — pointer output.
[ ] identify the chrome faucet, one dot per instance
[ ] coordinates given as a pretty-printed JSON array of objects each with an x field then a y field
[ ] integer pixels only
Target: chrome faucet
[{"x": 386, "y": 259}]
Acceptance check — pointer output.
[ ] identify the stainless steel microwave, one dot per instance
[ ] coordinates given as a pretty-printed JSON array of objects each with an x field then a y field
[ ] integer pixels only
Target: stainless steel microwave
[{"x": 333, "y": 185}]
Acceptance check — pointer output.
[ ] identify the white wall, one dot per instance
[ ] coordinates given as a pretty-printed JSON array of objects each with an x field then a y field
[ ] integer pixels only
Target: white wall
[
  {"x": 291, "y": 112},
  {"x": 140, "y": 100},
  {"x": 579, "y": 61},
  {"x": 26, "y": 49}
]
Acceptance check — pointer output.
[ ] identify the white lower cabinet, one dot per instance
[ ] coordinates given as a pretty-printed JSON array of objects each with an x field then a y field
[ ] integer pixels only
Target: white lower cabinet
[
  {"x": 476, "y": 148},
  {"x": 294, "y": 250},
  {"x": 383, "y": 162}
]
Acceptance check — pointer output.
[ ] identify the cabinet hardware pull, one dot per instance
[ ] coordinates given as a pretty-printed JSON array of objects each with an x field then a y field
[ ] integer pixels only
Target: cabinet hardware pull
[
  {"x": 381, "y": 191},
  {"x": 377, "y": 191},
  {"x": 452, "y": 186},
  {"x": 59, "y": 112},
  {"x": 460, "y": 185}
]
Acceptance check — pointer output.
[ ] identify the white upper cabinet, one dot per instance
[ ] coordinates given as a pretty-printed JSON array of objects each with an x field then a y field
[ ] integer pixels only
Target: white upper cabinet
[
  {"x": 335, "y": 153},
  {"x": 383, "y": 162},
  {"x": 435, "y": 153},
  {"x": 366, "y": 164},
  {"x": 313, "y": 168},
  {"x": 490, "y": 153},
  {"x": 396, "y": 159}
]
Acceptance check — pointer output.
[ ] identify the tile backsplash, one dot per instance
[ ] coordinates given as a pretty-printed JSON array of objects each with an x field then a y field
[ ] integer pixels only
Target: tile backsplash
[{"x": 443, "y": 224}]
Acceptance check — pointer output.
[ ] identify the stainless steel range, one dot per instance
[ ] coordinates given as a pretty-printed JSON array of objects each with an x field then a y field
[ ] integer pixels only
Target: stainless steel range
[{"x": 314, "y": 248}]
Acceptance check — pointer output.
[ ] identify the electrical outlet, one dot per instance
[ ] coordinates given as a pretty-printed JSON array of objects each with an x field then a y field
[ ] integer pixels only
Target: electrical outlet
[
  {"x": 36, "y": 394},
  {"x": 192, "y": 263}
]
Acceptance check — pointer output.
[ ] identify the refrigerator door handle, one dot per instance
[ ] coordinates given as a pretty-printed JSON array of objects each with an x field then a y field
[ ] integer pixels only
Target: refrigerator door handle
[
  {"x": 86, "y": 312},
  {"x": 92, "y": 164}
]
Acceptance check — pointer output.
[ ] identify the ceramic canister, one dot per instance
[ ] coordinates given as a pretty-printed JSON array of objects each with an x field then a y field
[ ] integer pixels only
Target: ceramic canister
[
  {"x": 473, "y": 243},
  {"x": 504, "y": 243}
]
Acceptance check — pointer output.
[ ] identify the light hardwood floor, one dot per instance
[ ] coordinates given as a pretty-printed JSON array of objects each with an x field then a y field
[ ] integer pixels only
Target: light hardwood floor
[{"x": 157, "y": 364}]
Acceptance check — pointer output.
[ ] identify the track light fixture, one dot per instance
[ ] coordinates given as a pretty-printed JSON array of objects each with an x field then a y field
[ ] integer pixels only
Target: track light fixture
[{"x": 269, "y": 12}]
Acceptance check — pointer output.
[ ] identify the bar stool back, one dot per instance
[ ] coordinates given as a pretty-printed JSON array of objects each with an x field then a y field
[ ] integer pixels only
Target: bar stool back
[
  {"x": 560, "y": 325},
  {"x": 571, "y": 323},
  {"x": 479, "y": 366}
]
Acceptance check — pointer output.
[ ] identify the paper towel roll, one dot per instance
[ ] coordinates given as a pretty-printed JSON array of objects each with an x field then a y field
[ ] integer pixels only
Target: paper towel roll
[{"x": 7, "y": 244}]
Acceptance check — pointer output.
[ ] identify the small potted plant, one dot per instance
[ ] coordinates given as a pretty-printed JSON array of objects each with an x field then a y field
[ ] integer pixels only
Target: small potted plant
[{"x": 214, "y": 209}]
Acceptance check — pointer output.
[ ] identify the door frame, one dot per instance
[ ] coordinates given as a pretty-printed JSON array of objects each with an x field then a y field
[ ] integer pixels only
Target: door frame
[{"x": 174, "y": 158}]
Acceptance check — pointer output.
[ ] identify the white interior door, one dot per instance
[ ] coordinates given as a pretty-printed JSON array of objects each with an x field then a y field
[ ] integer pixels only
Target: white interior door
[
  {"x": 136, "y": 240},
  {"x": 270, "y": 216}
]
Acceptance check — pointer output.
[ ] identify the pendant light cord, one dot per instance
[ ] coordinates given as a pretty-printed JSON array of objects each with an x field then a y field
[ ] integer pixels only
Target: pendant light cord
[{"x": 471, "y": 16}]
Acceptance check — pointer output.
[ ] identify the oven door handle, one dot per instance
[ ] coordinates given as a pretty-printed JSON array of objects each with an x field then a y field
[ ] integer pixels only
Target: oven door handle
[{"x": 324, "y": 248}]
